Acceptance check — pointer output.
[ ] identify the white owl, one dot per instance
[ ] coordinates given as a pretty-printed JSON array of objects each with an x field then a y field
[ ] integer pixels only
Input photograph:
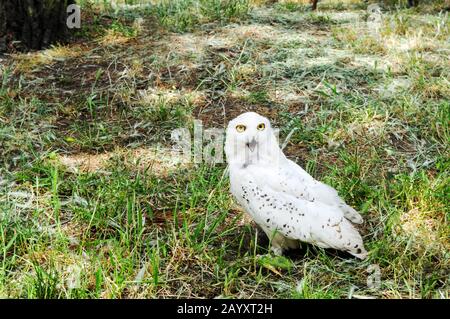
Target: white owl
[{"x": 283, "y": 199}]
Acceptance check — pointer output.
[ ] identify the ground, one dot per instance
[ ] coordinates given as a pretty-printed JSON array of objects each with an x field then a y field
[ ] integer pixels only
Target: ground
[{"x": 94, "y": 204}]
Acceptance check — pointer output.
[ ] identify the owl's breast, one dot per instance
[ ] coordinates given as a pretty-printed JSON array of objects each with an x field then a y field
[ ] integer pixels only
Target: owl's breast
[{"x": 239, "y": 182}]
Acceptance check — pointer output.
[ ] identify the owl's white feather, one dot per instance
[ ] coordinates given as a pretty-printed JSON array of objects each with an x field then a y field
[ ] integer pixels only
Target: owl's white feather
[{"x": 282, "y": 198}]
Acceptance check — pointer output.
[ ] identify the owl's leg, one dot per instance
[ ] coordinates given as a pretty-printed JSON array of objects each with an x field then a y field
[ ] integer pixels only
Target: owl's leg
[
  {"x": 281, "y": 243},
  {"x": 278, "y": 243}
]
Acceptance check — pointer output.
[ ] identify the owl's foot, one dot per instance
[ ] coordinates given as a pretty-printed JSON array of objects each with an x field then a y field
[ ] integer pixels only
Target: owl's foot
[{"x": 277, "y": 251}]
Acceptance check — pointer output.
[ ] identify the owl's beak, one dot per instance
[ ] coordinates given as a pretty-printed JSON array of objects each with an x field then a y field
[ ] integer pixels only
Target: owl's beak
[{"x": 252, "y": 144}]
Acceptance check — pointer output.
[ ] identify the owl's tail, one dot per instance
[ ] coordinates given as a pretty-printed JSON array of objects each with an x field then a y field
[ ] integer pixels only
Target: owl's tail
[
  {"x": 331, "y": 197},
  {"x": 353, "y": 241},
  {"x": 362, "y": 255},
  {"x": 351, "y": 214}
]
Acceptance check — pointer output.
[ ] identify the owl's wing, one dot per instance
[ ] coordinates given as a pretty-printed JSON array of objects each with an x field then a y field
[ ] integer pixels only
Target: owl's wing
[
  {"x": 295, "y": 175},
  {"x": 330, "y": 228},
  {"x": 294, "y": 218},
  {"x": 289, "y": 178}
]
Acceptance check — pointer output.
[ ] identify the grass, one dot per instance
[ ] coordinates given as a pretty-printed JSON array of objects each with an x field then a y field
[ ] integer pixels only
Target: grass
[
  {"x": 186, "y": 15},
  {"x": 95, "y": 204}
]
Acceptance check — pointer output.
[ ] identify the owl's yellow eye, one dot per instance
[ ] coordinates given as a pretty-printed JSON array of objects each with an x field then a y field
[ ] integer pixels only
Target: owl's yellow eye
[
  {"x": 240, "y": 128},
  {"x": 261, "y": 126}
]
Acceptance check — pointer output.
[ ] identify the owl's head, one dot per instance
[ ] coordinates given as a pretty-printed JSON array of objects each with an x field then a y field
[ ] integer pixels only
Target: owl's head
[{"x": 250, "y": 139}]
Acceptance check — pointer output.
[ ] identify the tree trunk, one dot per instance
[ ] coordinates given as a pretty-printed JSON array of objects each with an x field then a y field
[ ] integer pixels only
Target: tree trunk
[
  {"x": 314, "y": 4},
  {"x": 34, "y": 23}
]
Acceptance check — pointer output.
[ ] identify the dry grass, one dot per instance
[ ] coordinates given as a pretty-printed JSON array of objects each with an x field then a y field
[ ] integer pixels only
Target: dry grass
[{"x": 89, "y": 184}]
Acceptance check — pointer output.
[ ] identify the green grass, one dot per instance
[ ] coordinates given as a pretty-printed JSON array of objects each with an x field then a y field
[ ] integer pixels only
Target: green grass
[
  {"x": 88, "y": 210},
  {"x": 187, "y": 15}
]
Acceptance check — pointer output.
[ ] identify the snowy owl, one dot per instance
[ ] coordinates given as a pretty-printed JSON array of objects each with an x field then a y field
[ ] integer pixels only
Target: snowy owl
[{"x": 282, "y": 198}]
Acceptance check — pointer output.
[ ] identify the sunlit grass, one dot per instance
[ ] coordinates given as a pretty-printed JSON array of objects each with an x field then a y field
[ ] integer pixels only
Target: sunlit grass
[{"x": 93, "y": 204}]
